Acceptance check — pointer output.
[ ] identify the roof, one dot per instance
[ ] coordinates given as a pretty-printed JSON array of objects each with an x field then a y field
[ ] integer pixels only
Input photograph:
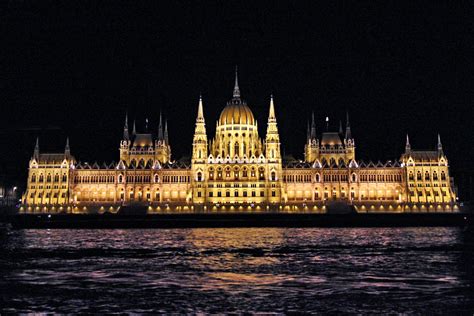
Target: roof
[
  {"x": 331, "y": 138},
  {"x": 143, "y": 140},
  {"x": 51, "y": 158},
  {"x": 236, "y": 112},
  {"x": 423, "y": 155}
]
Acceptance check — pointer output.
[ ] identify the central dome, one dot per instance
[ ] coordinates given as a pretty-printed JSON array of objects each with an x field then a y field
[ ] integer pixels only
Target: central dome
[{"x": 236, "y": 111}]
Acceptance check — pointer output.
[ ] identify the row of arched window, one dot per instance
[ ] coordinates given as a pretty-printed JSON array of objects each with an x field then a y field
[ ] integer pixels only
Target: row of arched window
[
  {"x": 427, "y": 176},
  {"x": 48, "y": 178}
]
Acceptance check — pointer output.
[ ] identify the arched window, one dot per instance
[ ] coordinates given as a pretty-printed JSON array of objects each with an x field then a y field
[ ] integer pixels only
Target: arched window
[
  {"x": 120, "y": 178},
  {"x": 244, "y": 173},
  {"x": 199, "y": 154},
  {"x": 245, "y": 148},
  {"x": 435, "y": 176},
  {"x": 443, "y": 176},
  {"x": 64, "y": 179},
  {"x": 156, "y": 178},
  {"x": 33, "y": 178},
  {"x": 236, "y": 149},
  {"x": 199, "y": 176},
  {"x": 228, "y": 148},
  {"x": 410, "y": 176},
  {"x": 48, "y": 178},
  {"x": 261, "y": 174},
  {"x": 427, "y": 176},
  {"x": 317, "y": 177},
  {"x": 354, "y": 177},
  {"x": 273, "y": 176},
  {"x": 418, "y": 176},
  {"x": 56, "y": 178}
]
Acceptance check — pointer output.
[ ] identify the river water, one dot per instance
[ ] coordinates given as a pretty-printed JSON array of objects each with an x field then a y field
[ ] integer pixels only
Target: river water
[{"x": 354, "y": 270}]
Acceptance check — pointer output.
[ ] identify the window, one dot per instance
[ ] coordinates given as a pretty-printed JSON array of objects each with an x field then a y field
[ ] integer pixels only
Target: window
[
  {"x": 120, "y": 179},
  {"x": 199, "y": 193},
  {"x": 427, "y": 176},
  {"x": 48, "y": 178},
  {"x": 33, "y": 178},
  {"x": 273, "y": 176},
  {"x": 262, "y": 194},
  {"x": 410, "y": 176},
  {"x": 219, "y": 193},
  {"x": 443, "y": 176},
  {"x": 418, "y": 176},
  {"x": 227, "y": 193},
  {"x": 199, "y": 176},
  {"x": 56, "y": 178},
  {"x": 273, "y": 193},
  {"x": 354, "y": 177},
  {"x": 317, "y": 177},
  {"x": 435, "y": 176},
  {"x": 211, "y": 194},
  {"x": 245, "y": 193},
  {"x": 236, "y": 193}
]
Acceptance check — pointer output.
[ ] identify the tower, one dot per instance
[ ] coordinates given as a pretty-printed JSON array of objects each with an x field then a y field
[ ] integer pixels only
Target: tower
[
  {"x": 311, "y": 151},
  {"x": 273, "y": 156},
  {"x": 125, "y": 142},
  {"x": 162, "y": 146},
  {"x": 349, "y": 142},
  {"x": 199, "y": 156}
]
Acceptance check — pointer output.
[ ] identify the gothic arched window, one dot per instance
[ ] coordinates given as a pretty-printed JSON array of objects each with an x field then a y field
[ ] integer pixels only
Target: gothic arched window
[
  {"x": 56, "y": 178},
  {"x": 236, "y": 149},
  {"x": 418, "y": 176},
  {"x": 199, "y": 176},
  {"x": 64, "y": 179},
  {"x": 120, "y": 178},
  {"x": 443, "y": 176},
  {"x": 156, "y": 178},
  {"x": 317, "y": 177},
  {"x": 354, "y": 177},
  {"x": 435, "y": 176},
  {"x": 427, "y": 176},
  {"x": 273, "y": 176},
  {"x": 48, "y": 178},
  {"x": 33, "y": 178},
  {"x": 410, "y": 176}
]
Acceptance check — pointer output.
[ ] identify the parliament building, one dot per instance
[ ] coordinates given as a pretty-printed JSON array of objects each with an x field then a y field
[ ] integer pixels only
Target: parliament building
[{"x": 238, "y": 170}]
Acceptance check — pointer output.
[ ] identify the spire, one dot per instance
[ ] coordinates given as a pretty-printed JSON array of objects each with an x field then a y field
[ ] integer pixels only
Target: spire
[
  {"x": 166, "y": 132},
  {"x": 160, "y": 129},
  {"x": 271, "y": 115},
  {"x": 37, "y": 149},
  {"x": 313, "y": 127},
  {"x": 125, "y": 128},
  {"x": 67, "y": 150},
  {"x": 200, "y": 115},
  {"x": 146, "y": 124},
  {"x": 236, "y": 85},
  {"x": 440, "y": 146},
  {"x": 307, "y": 131},
  {"x": 340, "y": 127},
  {"x": 348, "y": 127},
  {"x": 134, "y": 132},
  {"x": 327, "y": 123},
  {"x": 407, "y": 145}
]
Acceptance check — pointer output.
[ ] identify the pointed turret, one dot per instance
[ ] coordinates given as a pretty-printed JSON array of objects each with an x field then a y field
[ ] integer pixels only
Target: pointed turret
[
  {"x": 200, "y": 138},
  {"x": 307, "y": 132},
  {"x": 440, "y": 146},
  {"x": 67, "y": 150},
  {"x": 313, "y": 127},
  {"x": 407, "y": 145},
  {"x": 134, "y": 132},
  {"x": 272, "y": 139},
  {"x": 348, "y": 127},
  {"x": 126, "y": 136},
  {"x": 166, "y": 133},
  {"x": 37, "y": 149},
  {"x": 340, "y": 127},
  {"x": 271, "y": 114},
  {"x": 200, "y": 114},
  {"x": 236, "y": 93},
  {"x": 160, "y": 129}
]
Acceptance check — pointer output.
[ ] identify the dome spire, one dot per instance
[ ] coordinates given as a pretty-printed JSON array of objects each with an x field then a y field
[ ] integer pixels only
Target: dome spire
[
  {"x": 407, "y": 145},
  {"x": 271, "y": 116},
  {"x": 200, "y": 114},
  {"x": 236, "y": 93}
]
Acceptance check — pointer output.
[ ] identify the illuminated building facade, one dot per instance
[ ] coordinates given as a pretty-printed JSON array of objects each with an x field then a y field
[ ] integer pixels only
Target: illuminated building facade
[{"x": 239, "y": 170}]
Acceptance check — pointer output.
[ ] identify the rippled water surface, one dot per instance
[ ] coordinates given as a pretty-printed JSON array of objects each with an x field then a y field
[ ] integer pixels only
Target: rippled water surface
[{"x": 238, "y": 270}]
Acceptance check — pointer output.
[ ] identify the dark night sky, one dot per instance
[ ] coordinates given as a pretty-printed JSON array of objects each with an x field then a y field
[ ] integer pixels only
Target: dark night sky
[{"x": 75, "y": 67}]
